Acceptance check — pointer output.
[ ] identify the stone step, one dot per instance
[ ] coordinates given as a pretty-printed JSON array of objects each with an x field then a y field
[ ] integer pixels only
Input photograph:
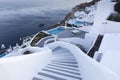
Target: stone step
[
  {"x": 63, "y": 53},
  {"x": 70, "y": 62},
  {"x": 50, "y": 76},
  {"x": 62, "y": 74},
  {"x": 64, "y": 67},
  {"x": 65, "y": 63},
  {"x": 62, "y": 70},
  {"x": 61, "y": 59},
  {"x": 68, "y": 65},
  {"x": 34, "y": 78}
]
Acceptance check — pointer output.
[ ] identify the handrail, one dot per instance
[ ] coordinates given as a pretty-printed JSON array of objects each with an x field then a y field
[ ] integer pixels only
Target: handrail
[
  {"x": 44, "y": 39},
  {"x": 49, "y": 40},
  {"x": 89, "y": 68},
  {"x": 75, "y": 40},
  {"x": 34, "y": 37}
]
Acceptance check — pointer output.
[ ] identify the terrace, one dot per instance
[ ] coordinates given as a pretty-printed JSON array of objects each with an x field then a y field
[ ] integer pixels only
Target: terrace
[
  {"x": 58, "y": 33},
  {"x": 71, "y": 32}
]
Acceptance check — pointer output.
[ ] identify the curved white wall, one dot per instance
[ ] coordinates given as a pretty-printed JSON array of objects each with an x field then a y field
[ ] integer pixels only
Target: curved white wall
[
  {"x": 23, "y": 67},
  {"x": 86, "y": 43},
  {"x": 89, "y": 68},
  {"x": 23, "y": 50},
  {"x": 45, "y": 38},
  {"x": 49, "y": 40}
]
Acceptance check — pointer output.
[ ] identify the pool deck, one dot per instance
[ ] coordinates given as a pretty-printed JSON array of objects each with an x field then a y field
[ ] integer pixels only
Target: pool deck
[{"x": 68, "y": 33}]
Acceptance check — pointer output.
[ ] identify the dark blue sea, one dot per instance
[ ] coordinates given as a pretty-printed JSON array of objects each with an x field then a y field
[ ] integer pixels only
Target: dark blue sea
[{"x": 20, "y": 18}]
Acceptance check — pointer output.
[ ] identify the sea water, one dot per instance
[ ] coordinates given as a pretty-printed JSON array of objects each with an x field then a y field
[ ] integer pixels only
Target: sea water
[{"x": 20, "y": 18}]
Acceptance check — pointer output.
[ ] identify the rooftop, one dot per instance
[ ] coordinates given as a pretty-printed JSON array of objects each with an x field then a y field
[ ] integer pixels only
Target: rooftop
[
  {"x": 110, "y": 42},
  {"x": 111, "y": 51}
]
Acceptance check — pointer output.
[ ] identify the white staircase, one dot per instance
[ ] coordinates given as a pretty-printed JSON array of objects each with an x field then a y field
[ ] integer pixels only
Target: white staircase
[{"x": 62, "y": 67}]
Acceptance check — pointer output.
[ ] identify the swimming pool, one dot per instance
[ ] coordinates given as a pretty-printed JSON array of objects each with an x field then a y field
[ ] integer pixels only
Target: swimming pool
[
  {"x": 56, "y": 30},
  {"x": 75, "y": 23},
  {"x": 78, "y": 23}
]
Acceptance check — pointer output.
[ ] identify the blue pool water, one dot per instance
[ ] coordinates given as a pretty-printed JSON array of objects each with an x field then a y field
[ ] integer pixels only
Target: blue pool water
[
  {"x": 75, "y": 23},
  {"x": 78, "y": 23},
  {"x": 56, "y": 30}
]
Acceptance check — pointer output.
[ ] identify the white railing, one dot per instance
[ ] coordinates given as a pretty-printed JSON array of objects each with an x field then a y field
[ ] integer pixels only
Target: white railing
[
  {"x": 86, "y": 44},
  {"x": 89, "y": 68},
  {"x": 34, "y": 37},
  {"x": 48, "y": 37},
  {"x": 24, "y": 67},
  {"x": 86, "y": 28},
  {"x": 48, "y": 41}
]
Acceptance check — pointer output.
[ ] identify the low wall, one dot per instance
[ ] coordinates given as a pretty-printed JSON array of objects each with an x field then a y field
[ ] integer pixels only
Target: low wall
[
  {"x": 23, "y": 67},
  {"x": 23, "y": 50},
  {"x": 85, "y": 43}
]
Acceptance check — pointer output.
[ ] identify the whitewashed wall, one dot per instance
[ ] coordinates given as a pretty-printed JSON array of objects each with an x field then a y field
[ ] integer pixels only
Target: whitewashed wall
[
  {"x": 87, "y": 42},
  {"x": 112, "y": 27},
  {"x": 23, "y": 67}
]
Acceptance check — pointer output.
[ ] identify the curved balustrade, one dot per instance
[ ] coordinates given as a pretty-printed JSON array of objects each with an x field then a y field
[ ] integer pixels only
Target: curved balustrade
[
  {"x": 34, "y": 37},
  {"x": 49, "y": 40},
  {"x": 89, "y": 68},
  {"x": 42, "y": 41},
  {"x": 85, "y": 43}
]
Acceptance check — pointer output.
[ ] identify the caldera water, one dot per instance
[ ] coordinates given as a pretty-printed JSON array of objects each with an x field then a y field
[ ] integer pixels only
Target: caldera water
[{"x": 20, "y": 18}]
